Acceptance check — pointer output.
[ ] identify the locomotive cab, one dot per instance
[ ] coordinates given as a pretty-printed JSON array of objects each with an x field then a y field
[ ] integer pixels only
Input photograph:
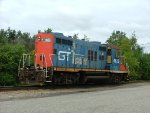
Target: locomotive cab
[
  {"x": 113, "y": 57},
  {"x": 115, "y": 61},
  {"x": 44, "y": 50}
]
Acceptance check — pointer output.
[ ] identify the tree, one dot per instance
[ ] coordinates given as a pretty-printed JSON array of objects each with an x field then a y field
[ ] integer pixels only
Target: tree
[
  {"x": 49, "y": 30},
  {"x": 10, "y": 55},
  {"x": 12, "y": 45},
  {"x": 11, "y": 35},
  {"x": 116, "y": 37},
  {"x": 75, "y": 36},
  {"x": 130, "y": 49},
  {"x": 3, "y": 36},
  {"x": 145, "y": 66}
]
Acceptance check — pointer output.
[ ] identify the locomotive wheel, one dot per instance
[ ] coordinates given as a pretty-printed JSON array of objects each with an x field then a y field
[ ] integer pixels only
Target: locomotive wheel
[
  {"x": 82, "y": 79},
  {"x": 115, "y": 79}
]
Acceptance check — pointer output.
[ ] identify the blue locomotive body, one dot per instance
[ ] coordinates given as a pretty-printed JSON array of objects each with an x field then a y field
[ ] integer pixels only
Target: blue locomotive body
[{"x": 74, "y": 53}]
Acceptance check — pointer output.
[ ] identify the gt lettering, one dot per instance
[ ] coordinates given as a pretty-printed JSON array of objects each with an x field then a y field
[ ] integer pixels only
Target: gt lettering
[{"x": 63, "y": 54}]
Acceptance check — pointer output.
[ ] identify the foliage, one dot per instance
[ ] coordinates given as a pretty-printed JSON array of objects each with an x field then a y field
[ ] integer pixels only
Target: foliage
[
  {"x": 145, "y": 64},
  {"x": 75, "y": 36},
  {"x": 12, "y": 45},
  {"x": 49, "y": 30},
  {"x": 130, "y": 49},
  {"x": 9, "y": 59},
  {"x": 7, "y": 79},
  {"x": 17, "y": 37}
]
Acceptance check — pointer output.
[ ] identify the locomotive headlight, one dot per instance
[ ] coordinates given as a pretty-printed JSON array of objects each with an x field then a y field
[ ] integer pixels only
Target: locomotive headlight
[{"x": 38, "y": 37}]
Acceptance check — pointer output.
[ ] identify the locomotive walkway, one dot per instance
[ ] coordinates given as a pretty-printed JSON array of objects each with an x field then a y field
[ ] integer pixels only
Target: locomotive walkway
[{"x": 126, "y": 98}]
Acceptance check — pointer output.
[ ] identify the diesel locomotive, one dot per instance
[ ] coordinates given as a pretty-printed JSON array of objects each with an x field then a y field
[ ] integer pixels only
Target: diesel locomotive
[{"x": 60, "y": 59}]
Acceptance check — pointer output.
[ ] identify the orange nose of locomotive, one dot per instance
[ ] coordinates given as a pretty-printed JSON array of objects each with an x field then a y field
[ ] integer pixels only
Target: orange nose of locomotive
[{"x": 44, "y": 50}]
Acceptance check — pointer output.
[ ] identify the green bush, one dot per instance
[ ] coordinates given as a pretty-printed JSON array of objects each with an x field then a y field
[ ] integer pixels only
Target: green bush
[
  {"x": 145, "y": 67},
  {"x": 9, "y": 59},
  {"x": 12, "y": 45},
  {"x": 7, "y": 79}
]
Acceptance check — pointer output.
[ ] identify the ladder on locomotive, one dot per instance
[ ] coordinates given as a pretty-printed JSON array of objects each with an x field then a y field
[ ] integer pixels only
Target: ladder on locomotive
[{"x": 42, "y": 68}]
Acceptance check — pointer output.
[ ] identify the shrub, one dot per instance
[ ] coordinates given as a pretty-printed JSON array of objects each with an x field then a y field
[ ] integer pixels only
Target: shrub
[
  {"x": 7, "y": 79},
  {"x": 9, "y": 59}
]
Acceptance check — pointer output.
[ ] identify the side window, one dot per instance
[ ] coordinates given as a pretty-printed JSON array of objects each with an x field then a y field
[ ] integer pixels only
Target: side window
[
  {"x": 55, "y": 51},
  {"x": 109, "y": 57},
  {"x": 69, "y": 42},
  {"x": 58, "y": 40},
  {"x": 101, "y": 57},
  {"x": 63, "y": 41},
  {"x": 92, "y": 55},
  {"x": 102, "y": 48},
  {"x": 46, "y": 40},
  {"x": 89, "y": 54},
  {"x": 95, "y": 56},
  {"x": 109, "y": 52},
  {"x": 117, "y": 54}
]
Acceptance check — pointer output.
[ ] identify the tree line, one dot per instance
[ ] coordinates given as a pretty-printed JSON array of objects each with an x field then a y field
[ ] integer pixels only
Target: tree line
[
  {"x": 14, "y": 43},
  {"x": 138, "y": 61}
]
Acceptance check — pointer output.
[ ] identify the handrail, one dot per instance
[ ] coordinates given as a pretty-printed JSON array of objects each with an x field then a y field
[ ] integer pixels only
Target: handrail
[
  {"x": 35, "y": 61},
  {"x": 46, "y": 65},
  {"x": 50, "y": 59}
]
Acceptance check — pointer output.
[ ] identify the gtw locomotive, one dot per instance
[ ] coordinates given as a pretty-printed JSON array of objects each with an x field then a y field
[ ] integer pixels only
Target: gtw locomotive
[{"x": 60, "y": 59}]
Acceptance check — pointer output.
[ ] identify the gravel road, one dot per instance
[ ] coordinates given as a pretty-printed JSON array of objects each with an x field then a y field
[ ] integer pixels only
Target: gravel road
[{"x": 127, "y": 98}]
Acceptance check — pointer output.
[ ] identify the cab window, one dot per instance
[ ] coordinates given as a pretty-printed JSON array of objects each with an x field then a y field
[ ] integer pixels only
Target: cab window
[
  {"x": 109, "y": 52},
  {"x": 117, "y": 54},
  {"x": 46, "y": 40}
]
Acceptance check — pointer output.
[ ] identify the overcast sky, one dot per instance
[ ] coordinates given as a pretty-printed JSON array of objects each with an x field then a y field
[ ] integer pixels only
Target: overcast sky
[{"x": 95, "y": 18}]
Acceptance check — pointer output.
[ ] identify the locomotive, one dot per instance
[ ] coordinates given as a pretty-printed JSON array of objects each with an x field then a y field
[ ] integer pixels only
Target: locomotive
[{"x": 60, "y": 59}]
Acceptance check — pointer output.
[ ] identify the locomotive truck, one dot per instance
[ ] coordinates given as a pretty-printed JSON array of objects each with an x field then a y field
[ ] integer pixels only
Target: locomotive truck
[{"x": 60, "y": 59}]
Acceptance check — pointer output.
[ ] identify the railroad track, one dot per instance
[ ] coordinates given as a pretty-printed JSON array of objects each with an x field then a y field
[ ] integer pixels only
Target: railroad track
[
  {"x": 65, "y": 86},
  {"x": 36, "y": 87},
  {"x": 13, "y": 88}
]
